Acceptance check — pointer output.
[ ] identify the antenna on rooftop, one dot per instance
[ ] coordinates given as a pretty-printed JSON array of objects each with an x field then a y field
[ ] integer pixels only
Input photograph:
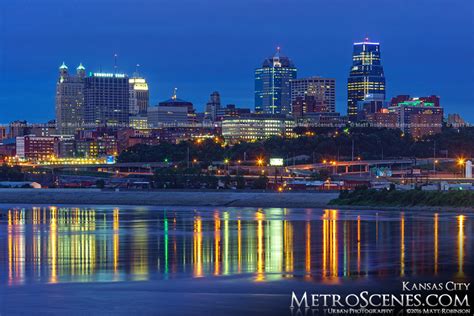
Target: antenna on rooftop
[
  {"x": 137, "y": 73},
  {"x": 175, "y": 94},
  {"x": 115, "y": 62}
]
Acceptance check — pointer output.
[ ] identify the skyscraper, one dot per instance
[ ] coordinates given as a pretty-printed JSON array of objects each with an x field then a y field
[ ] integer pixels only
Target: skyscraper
[
  {"x": 366, "y": 76},
  {"x": 70, "y": 100},
  {"x": 213, "y": 106},
  {"x": 139, "y": 96},
  {"x": 322, "y": 89},
  {"x": 272, "y": 85},
  {"x": 106, "y": 99}
]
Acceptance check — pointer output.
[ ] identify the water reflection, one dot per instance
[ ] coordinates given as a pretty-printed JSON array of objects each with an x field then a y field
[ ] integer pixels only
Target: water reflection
[{"x": 51, "y": 244}]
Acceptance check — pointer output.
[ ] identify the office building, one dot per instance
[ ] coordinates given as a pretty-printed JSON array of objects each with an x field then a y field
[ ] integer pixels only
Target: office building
[
  {"x": 35, "y": 148},
  {"x": 139, "y": 96},
  {"x": 213, "y": 107},
  {"x": 372, "y": 103},
  {"x": 366, "y": 76},
  {"x": 230, "y": 110},
  {"x": 162, "y": 116},
  {"x": 70, "y": 100},
  {"x": 455, "y": 120},
  {"x": 419, "y": 116},
  {"x": 303, "y": 105},
  {"x": 322, "y": 89},
  {"x": 253, "y": 127},
  {"x": 272, "y": 85},
  {"x": 176, "y": 106},
  {"x": 106, "y": 100}
]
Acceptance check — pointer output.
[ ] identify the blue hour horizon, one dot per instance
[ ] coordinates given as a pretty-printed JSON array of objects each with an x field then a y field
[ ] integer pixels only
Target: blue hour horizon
[{"x": 199, "y": 51}]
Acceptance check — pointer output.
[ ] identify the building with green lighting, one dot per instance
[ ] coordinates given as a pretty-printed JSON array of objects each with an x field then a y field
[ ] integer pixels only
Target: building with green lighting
[{"x": 418, "y": 116}]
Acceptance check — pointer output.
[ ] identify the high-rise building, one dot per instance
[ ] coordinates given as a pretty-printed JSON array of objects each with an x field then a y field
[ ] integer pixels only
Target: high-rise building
[
  {"x": 272, "y": 85},
  {"x": 70, "y": 100},
  {"x": 322, "y": 89},
  {"x": 213, "y": 106},
  {"x": 139, "y": 96},
  {"x": 366, "y": 75},
  {"x": 106, "y": 100}
]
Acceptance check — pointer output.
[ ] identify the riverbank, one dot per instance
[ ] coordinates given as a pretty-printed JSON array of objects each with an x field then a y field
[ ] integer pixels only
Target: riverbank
[
  {"x": 166, "y": 198},
  {"x": 459, "y": 200},
  {"x": 256, "y": 199}
]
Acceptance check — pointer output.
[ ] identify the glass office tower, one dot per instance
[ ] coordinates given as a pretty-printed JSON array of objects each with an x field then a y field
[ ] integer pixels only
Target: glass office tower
[
  {"x": 272, "y": 85},
  {"x": 366, "y": 76}
]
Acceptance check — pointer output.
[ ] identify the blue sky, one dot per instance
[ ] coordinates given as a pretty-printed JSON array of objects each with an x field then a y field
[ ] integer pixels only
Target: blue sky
[{"x": 201, "y": 46}]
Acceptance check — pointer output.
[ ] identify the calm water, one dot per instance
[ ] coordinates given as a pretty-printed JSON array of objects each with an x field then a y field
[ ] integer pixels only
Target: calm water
[{"x": 40, "y": 245}]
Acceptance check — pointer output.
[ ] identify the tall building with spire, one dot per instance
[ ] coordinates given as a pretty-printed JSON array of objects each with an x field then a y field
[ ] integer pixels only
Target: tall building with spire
[
  {"x": 70, "y": 100},
  {"x": 366, "y": 76},
  {"x": 272, "y": 85}
]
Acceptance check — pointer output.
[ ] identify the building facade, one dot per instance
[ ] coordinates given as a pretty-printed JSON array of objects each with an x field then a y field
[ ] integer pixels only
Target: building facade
[
  {"x": 253, "y": 127},
  {"x": 419, "y": 116},
  {"x": 366, "y": 75},
  {"x": 272, "y": 85},
  {"x": 213, "y": 107},
  {"x": 70, "y": 100},
  {"x": 36, "y": 147},
  {"x": 322, "y": 89},
  {"x": 106, "y": 100},
  {"x": 139, "y": 96}
]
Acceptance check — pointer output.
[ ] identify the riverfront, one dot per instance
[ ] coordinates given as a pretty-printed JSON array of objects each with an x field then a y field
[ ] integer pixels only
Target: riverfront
[{"x": 70, "y": 260}]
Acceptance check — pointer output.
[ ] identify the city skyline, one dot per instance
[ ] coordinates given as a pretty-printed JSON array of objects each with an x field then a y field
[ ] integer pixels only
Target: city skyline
[{"x": 411, "y": 61}]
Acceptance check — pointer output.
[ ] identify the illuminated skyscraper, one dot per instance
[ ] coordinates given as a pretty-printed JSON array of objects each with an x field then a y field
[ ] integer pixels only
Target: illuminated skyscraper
[
  {"x": 272, "y": 85},
  {"x": 366, "y": 76},
  {"x": 139, "y": 95},
  {"x": 70, "y": 100},
  {"x": 106, "y": 99}
]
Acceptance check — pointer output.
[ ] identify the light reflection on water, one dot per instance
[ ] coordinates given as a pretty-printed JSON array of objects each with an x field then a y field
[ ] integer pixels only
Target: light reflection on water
[{"x": 77, "y": 244}]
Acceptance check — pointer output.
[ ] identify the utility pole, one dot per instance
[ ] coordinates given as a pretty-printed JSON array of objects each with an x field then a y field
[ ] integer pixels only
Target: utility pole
[
  {"x": 434, "y": 157},
  {"x": 352, "y": 149},
  {"x": 188, "y": 158}
]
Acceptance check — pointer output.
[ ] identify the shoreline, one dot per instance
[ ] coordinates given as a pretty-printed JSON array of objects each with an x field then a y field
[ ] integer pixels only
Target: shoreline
[{"x": 194, "y": 199}]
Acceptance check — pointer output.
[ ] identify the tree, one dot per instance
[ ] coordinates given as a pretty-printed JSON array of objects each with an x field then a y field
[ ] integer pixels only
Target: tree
[{"x": 260, "y": 183}]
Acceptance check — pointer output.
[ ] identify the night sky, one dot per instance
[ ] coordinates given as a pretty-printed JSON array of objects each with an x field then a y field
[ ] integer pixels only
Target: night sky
[{"x": 201, "y": 46}]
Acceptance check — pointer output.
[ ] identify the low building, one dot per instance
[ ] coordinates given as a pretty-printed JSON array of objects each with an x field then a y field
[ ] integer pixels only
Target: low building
[
  {"x": 383, "y": 119},
  {"x": 162, "y": 116},
  {"x": 127, "y": 138},
  {"x": 308, "y": 104},
  {"x": 36, "y": 147},
  {"x": 139, "y": 122},
  {"x": 230, "y": 110},
  {"x": 253, "y": 127}
]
